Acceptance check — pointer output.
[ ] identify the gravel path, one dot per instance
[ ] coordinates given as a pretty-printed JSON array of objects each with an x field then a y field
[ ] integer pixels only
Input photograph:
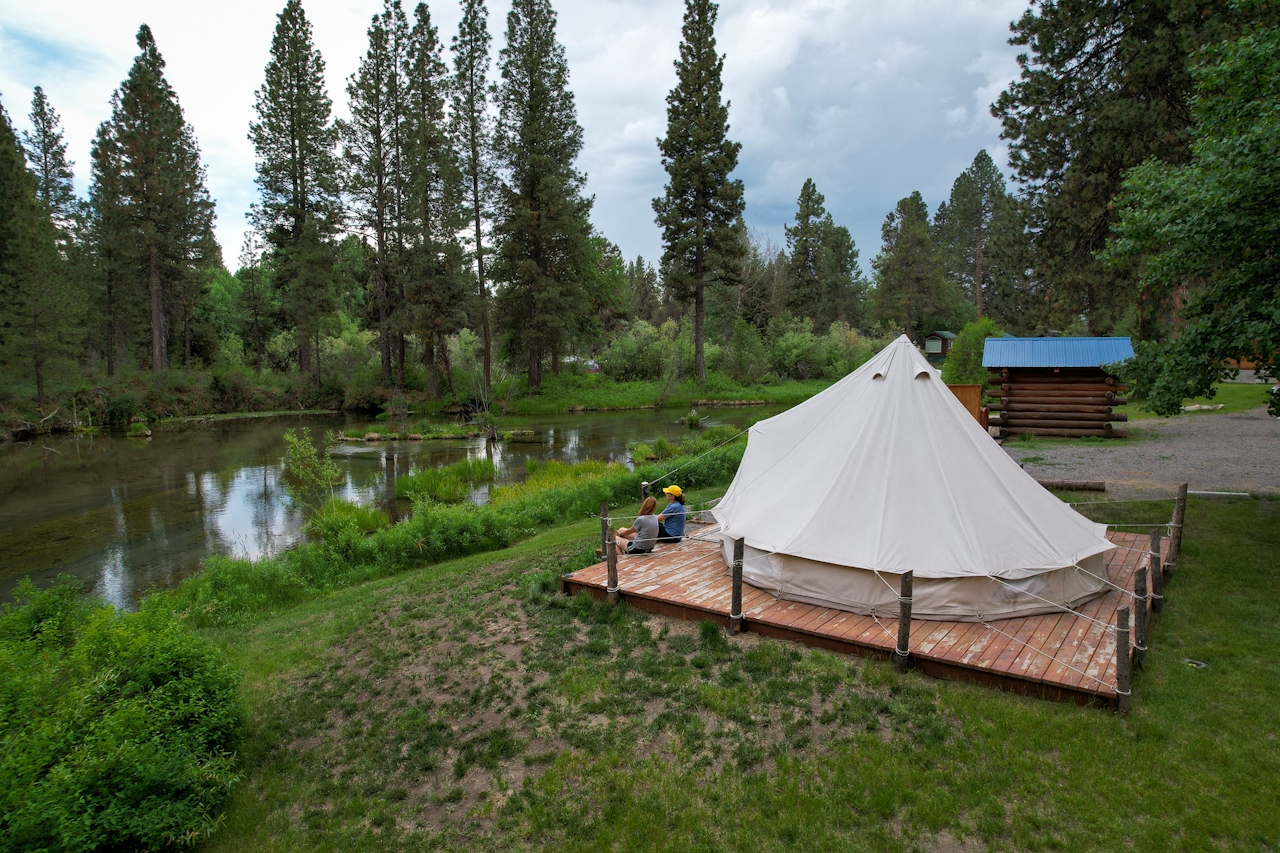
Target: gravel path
[{"x": 1239, "y": 452}]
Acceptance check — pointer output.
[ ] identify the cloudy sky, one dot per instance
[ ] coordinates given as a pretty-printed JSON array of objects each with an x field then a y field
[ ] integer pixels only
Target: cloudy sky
[{"x": 871, "y": 99}]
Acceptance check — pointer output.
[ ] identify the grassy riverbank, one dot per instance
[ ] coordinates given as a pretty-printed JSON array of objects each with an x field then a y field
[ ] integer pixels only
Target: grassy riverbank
[
  {"x": 573, "y": 392},
  {"x": 203, "y": 394},
  {"x": 467, "y": 706}
]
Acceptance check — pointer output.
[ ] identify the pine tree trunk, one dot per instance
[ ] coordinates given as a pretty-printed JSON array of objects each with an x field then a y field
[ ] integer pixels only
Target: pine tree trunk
[
  {"x": 699, "y": 309},
  {"x": 157, "y": 315},
  {"x": 977, "y": 272},
  {"x": 429, "y": 362},
  {"x": 442, "y": 349},
  {"x": 38, "y": 365},
  {"x": 111, "y": 331},
  {"x": 399, "y": 359},
  {"x": 384, "y": 331},
  {"x": 318, "y": 402},
  {"x": 186, "y": 337},
  {"x": 484, "y": 294},
  {"x": 303, "y": 340}
]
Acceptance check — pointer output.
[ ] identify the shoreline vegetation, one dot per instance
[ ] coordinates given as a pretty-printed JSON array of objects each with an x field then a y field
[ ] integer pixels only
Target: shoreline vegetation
[{"x": 186, "y": 399}]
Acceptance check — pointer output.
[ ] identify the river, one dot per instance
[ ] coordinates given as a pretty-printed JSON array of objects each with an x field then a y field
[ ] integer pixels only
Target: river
[{"x": 127, "y": 515}]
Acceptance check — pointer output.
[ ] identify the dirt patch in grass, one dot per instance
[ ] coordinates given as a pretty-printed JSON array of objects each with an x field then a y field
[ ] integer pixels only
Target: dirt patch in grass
[{"x": 439, "y": 716}]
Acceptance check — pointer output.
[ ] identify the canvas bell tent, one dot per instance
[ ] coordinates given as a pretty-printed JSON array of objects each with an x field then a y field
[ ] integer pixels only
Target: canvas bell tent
[{"x": 886, "y": 472}]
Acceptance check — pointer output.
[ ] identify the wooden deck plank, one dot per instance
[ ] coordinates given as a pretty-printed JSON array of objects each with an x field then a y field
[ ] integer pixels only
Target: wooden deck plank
[{"x": 690, "y": 579}]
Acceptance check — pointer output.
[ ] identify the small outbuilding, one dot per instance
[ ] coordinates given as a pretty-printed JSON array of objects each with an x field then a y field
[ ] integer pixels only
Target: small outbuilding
[
  {"x": 938, "y": 344},
  {"x": 1056, "y": 386}
]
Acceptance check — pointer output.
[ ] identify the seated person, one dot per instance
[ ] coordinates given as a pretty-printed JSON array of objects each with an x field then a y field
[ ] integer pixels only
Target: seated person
[
  {"x": 671, "y": 521},
  {"x": 639, "y": 538}
]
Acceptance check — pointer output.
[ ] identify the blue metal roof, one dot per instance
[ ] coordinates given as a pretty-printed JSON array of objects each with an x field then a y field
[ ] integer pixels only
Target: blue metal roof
[{"x": 1055, "y": 352}]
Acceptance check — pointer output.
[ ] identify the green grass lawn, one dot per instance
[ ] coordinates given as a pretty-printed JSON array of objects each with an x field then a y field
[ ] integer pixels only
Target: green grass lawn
[
  {"x": 1233, "y": 396},
  {"x": 469, "y": 706}
]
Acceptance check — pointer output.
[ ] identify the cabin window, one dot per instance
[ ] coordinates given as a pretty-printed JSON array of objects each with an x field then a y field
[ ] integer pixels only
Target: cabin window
[{"x": 933, "y": 346}]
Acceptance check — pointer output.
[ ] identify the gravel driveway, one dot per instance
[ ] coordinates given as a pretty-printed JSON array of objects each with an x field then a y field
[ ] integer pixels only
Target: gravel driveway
[{"x": 1239, "y": 452}]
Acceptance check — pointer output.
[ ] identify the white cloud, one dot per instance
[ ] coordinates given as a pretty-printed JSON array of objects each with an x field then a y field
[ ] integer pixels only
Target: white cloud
[{"x": 871, "y": 99}]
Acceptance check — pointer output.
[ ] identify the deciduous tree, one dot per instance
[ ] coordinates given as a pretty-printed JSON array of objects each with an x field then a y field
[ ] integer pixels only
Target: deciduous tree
[
  {"x": 1207, "y": 231},
  {"x": 1105, "y": 85}
]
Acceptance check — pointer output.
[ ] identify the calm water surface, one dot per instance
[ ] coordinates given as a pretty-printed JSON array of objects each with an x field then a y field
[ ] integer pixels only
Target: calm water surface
[{"x": 127, "y": 515}]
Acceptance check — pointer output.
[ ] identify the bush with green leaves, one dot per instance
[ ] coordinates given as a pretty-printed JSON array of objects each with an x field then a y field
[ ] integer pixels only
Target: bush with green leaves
[
  {"x": 117, "y": 728},
  {"x": 964, "y": 361},
  {"x": 309, "y": 474},
  {"x": 637, "y": 351}
]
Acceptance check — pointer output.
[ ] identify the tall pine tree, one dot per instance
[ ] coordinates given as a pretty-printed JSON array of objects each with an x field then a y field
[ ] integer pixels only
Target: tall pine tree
[
  {"x": 298, "y": 180},
  {"x": 965, "y": 224},
  {"x": 40, "y": 316},
  {"x": 160, "y": 212},
  {"x": 701, "y": 204},
  {"x": 436, "y": 294},
  {"x": 911, "y": 286},
  {"x": 47, "y": 154},
  {"x": 542, "y": 230},
  {"x": 826, "y": 284},
  {"x": 372, "y": 147},
  {"x": 473, "y": 136}
]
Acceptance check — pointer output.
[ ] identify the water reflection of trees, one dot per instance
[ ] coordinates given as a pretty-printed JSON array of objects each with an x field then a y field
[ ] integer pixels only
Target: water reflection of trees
[{"x": 126, "y": 514}]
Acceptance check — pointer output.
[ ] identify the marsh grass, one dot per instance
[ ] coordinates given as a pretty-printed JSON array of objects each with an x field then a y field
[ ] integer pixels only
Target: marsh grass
[
  {"x": 447, "y": 483},
  {"x": 467, "y": 706},
  {"x": 543, "y": 475}
]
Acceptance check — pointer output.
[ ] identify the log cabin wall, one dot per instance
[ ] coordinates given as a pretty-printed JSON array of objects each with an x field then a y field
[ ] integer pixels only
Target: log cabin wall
[{"x": 1052, "y": 401}]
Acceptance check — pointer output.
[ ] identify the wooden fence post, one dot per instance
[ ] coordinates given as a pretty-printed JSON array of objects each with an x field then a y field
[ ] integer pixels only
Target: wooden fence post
[
  {"x": 611, "y": 556},
  {"x": 1175, "y": 530},
  {"x": 1140, "y": 618},
  {"x": 901, "y": 654},
  {"x": 1124, "y": 664},
  {"x": 735, "y": 599},
  {"x": 604, "y": 526},
  {"x": 1157, "y": 573}
]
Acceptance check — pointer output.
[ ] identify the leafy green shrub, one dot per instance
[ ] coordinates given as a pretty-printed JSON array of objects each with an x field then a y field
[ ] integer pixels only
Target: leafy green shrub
[
  {"x": 744, "y": 358},
  {"x": 309, "y": 474},
  {"x": 117, "y": 727},
  {"x": 637, "y": 351},
  {"x": 122, "y": 408},
  {"x": 964, "y": 360},
  {"x": 796, "y": 352}
]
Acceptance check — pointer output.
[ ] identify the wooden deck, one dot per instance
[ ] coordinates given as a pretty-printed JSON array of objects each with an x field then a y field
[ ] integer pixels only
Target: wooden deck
[{"x": 1066, "y": 657}]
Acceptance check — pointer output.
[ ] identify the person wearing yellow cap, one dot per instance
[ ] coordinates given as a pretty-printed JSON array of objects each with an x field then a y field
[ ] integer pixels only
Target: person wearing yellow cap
[{"x": 671, "y": 521}]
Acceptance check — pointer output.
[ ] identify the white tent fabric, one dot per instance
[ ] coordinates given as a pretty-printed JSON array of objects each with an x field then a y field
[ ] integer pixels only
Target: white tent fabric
[{"x": 885, "y": 472}]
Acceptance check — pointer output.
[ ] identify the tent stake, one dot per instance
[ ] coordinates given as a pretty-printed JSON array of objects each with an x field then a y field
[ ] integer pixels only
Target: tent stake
[
  {"x": 1124, "y": 664},
  {"x": 901, "y": 654},
  {"x": 1157, "y": 573},
  {"x": 1140, "y": 618},
  {"x": 1175, "y": 532},
  {"x": 735, "y": 600}
]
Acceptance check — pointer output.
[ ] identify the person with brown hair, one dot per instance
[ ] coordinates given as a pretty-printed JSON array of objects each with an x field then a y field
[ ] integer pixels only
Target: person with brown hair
[{"x": 641, "y": 536}]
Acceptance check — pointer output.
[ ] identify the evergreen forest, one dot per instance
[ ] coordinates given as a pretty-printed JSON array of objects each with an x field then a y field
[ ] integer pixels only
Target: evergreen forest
[{"x": 437, "y": 248}]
